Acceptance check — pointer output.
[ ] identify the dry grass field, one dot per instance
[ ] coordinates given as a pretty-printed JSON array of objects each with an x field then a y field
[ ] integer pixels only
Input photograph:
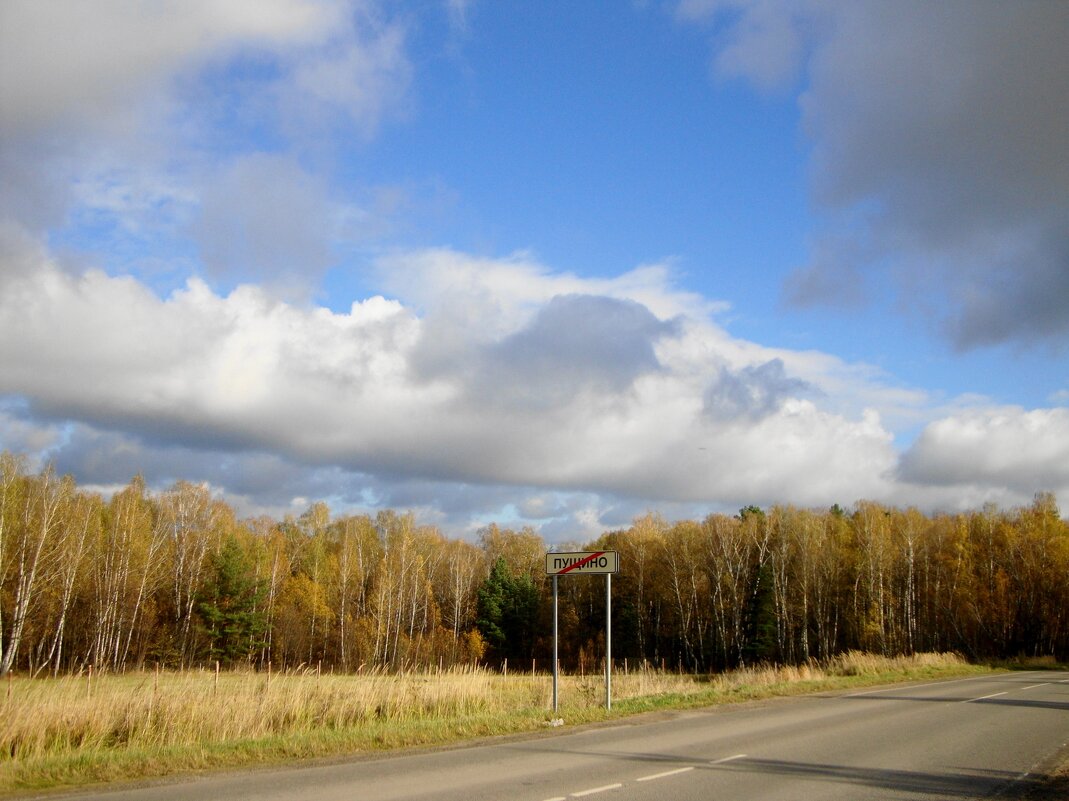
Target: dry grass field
[{"x": 89, "y": 728}]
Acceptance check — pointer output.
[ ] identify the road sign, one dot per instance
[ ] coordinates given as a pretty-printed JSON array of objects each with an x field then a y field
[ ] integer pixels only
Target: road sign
[{"x": 582, "y": 563}]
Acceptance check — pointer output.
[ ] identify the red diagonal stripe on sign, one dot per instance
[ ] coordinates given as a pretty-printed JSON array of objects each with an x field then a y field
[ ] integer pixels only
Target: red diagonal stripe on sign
[{"x": 582, "y": 562}]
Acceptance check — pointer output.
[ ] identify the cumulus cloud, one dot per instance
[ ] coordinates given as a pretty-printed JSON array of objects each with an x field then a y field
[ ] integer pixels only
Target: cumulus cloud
[
  {"x": 449, "y": 284},
  {"x": 273, "y": 403},
  {"x": 1009, "y": 449},
  {"x": 939, "y": 151},
  {"x": 623, "y": 390}
]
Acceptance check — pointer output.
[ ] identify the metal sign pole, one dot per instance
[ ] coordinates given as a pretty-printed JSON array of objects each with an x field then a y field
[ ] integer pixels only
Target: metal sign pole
[
  {"x": 608, "y": 640},
  {"x": 556, "y": 664}
]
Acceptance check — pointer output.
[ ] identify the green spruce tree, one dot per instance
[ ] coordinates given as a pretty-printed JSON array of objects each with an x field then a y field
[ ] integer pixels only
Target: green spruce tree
[
  {"x": 229, "y": 606},
  {"x": 507, "y": 612}
]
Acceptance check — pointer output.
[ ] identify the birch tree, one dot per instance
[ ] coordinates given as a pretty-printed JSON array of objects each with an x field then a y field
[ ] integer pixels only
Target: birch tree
[
  {"x": 357, "y": 550},
  {"x": 461, "y": 569},
  {"x": 189, "y": 518},
  {"x": 12, "y": 487},
  {"x": 127, "y": 571},
  {"x": 35, "y": 526},
  {"x": 80, "y": 526}
]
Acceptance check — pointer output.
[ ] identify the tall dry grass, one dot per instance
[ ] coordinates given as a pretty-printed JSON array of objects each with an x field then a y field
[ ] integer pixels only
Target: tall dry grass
[
  {"x": 41, "y": 717},
  {"x": 56, "y": 731},
  {"x": 849, "y": 664}
]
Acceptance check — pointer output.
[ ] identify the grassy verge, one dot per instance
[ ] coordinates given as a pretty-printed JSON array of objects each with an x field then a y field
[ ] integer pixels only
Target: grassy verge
[{"x": 72, "y": 731}]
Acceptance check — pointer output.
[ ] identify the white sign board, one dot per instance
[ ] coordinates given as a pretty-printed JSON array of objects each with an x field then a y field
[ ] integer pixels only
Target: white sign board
[{"x": 582, "y": 563}]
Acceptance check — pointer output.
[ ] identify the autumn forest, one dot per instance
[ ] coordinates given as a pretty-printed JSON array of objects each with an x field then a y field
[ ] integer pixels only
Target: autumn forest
[{"x": 175, "y": 579}]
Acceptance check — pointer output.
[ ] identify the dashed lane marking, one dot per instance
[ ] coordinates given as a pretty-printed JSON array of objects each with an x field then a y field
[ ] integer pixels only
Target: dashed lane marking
[
  {"x": 650, "y": 778},
  {"x": 907, "y": 687},
  {"x": 727, "y": 759},
  {"x": 983, "y": 698},
  {"x": 664, "y": 775}
]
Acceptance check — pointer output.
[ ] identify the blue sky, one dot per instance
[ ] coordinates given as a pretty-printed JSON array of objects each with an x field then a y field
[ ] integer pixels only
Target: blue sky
[{"x": 553, "y": 264}]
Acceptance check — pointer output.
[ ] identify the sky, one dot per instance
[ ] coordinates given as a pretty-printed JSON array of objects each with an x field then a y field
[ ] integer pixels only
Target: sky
[{"x": 551, "y": 264}]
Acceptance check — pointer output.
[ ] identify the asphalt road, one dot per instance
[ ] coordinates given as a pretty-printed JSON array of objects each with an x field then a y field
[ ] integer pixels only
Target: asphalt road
[{"x": 981, "y": 737}]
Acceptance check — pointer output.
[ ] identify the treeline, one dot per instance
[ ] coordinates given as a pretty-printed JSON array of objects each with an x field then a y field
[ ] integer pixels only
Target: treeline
[{"x": 173, "y": 578}]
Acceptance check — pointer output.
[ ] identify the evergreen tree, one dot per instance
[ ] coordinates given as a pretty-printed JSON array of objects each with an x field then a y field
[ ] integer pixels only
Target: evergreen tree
[
  {"x": 229, "y": 605},
  {"x": 507, "y": 612},
  {"x": 761, "y": 620}
]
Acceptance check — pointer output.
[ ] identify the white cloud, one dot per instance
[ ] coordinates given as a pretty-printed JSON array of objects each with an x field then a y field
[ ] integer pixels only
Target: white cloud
[
  {"x": 269, "y": 401},
  {"x": 243, "y": 374},
  {"x": 444, "y": 282},
  {"x": 1009, "y": 450}
]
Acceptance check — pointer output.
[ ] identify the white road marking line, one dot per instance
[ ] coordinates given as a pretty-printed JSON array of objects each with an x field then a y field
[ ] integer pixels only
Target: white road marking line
[
  {"x": 727, "y": 759},
  {"x": 1033, "y": 686},
  {"x": 558, "y": 798},
  {"x": 593, "y": 790},
  {"x": 901, "y": 688},
  {"x": 666, "y": 773},
  {"x": 982, "y": 698}
]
